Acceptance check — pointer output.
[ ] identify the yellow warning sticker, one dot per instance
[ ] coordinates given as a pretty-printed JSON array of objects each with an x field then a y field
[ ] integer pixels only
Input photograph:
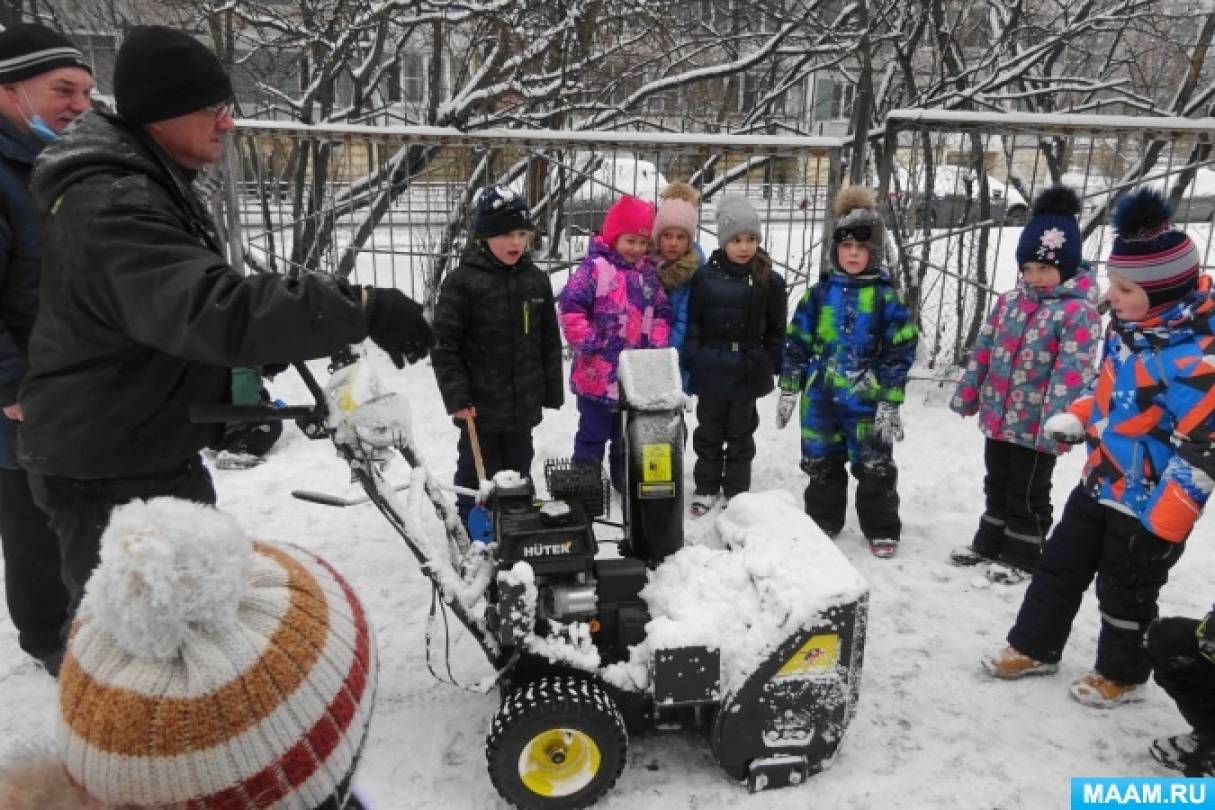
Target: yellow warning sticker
[
  {"x": 819, "y": 653},
  {"x": 656, "y": 462}
]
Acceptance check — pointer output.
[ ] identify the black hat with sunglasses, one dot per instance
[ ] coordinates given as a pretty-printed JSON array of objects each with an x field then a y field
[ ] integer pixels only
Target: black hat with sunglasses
[{"x": 161, "y": 73}]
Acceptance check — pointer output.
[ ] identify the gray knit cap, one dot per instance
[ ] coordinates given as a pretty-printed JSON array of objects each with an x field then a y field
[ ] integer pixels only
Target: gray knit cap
[{"x": 736, "y": 215}]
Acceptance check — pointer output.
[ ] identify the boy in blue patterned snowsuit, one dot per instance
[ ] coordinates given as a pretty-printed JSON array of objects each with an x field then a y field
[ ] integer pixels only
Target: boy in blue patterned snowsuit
[{"x": 847, "y": 352}]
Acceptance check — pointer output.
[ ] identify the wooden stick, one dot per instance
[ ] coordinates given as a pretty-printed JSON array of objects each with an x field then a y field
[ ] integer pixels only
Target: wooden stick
[{"x": 476, "y": 447}]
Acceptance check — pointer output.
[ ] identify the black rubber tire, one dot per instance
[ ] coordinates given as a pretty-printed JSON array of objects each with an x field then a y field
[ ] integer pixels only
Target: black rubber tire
[{"x": 555, "y": 702}]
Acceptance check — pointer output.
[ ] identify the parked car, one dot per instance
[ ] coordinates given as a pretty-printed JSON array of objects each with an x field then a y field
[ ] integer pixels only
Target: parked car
[
  {"x": 1197, "y": 203},
  {"x": 616, "y": 175},
  {"x": 955, "y": 199}
]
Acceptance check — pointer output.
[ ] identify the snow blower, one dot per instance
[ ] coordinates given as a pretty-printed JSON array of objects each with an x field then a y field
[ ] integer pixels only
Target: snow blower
[{"x": 758, "y": 643}]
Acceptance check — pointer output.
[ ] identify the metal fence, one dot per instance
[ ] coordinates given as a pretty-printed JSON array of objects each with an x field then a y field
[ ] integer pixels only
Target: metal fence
[
  {"x": 957, "y": 187},
  {"x": 389, "y": 205}
]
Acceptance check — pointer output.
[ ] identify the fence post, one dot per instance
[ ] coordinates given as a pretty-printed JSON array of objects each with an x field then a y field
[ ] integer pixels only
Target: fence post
[{"x": 236, "y": 249}]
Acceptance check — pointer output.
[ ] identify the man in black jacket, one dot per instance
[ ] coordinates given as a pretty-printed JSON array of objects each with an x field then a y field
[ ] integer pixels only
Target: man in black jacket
[
  {"x": 141, "y": 317},
  {"x": 44, "y": 84},
  {"x": 498, "y": 352}
]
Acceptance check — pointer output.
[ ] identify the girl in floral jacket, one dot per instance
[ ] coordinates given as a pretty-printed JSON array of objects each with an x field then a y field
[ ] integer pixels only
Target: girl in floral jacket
[
  {"x": 613, "y": 301},
  {"x": 1035, "y": 354}
]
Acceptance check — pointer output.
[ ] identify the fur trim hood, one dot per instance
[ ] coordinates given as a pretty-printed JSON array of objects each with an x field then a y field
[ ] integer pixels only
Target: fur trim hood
[{"x": 679, "y": 272}]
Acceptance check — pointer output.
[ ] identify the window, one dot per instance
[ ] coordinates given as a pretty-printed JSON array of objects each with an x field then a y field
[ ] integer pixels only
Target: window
[{"x": 413, "y": 78}]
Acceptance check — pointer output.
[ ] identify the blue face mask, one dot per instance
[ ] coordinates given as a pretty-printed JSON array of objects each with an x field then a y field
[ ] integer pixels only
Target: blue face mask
[
  {"x": 41, "y": 130},
  {"x": 37, "y": 126}
]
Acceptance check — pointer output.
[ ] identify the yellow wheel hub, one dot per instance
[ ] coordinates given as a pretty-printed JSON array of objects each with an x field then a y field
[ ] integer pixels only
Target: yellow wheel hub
[{"x": 558, "y": 762}]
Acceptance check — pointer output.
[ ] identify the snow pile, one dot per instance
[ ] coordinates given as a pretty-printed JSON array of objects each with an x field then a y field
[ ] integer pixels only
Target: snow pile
[
  {"x": 778, "y": 574},
  {"x": 649, "y": 379}
]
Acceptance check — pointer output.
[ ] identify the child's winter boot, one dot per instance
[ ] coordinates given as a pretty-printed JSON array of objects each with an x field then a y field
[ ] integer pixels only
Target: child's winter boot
[
  {"x": 984, "y": 546},
  {"x": 1021, "y": 551},
  {"x": 1098, "y": 691},
  {"x": 1193, "y": 754},
  {"x": 1010, "y": 664},
  {"x": 702, "y": 503},
  {"x": 883, "y": 547}
]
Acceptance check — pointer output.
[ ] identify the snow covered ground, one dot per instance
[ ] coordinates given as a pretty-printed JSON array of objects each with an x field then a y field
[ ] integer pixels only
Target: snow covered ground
[{"x": 932, "y": 731}]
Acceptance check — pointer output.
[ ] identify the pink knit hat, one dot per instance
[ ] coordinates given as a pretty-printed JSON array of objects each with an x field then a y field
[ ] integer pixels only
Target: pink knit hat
[
  {"x": 675, "y": 213},
  {"x": 628, "y": 215}
]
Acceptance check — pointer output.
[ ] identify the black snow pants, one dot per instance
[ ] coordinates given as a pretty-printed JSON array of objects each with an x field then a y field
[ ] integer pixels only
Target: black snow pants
[
  {"x": 499, "y": 451},
  {"x": 79, "y": 512},
  {"x": 877, "y": 496},
  {"x": 37, "y": 598},
  {"x": 724, "y": 441},
  {"x": 1017, "y": 518},
  {"x": 1093, "y": 540},
  {"x": 1183, "y": 672}
]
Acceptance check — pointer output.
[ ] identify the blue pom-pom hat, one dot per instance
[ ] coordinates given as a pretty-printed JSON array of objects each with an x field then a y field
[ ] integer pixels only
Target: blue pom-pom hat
[{"x": 1052, "y": 235}]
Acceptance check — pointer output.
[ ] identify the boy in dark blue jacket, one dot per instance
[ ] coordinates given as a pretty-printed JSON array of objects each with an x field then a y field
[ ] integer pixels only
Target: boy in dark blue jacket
[{"x": 848, "y": 351}]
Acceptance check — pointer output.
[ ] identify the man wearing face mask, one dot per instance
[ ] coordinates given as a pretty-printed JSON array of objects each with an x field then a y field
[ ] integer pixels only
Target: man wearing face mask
[{"x": 44, "y": 84}]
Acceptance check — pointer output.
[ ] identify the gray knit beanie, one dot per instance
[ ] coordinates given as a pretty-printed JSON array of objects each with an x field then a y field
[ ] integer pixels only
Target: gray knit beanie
[{"x": 736, "y": 215}]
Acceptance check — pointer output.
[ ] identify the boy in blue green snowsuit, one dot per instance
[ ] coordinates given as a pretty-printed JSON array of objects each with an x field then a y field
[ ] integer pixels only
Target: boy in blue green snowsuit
[{"x": 847, "y": 352}]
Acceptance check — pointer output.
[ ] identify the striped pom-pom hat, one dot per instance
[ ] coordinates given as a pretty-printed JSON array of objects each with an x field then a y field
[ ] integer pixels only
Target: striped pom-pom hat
[
  {"x": 1150, "y": 251},
  {"x": 209, "y": 671}
]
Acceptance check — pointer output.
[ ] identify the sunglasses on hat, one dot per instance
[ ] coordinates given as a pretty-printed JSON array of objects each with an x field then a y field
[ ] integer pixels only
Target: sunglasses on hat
[{"x": 859, "y": 233}]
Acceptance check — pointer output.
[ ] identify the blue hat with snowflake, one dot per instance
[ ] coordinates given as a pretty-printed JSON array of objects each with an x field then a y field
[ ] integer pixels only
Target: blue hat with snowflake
[
  {"x": 1052, "y": 235},
  {"x": 498, "y": 210}
]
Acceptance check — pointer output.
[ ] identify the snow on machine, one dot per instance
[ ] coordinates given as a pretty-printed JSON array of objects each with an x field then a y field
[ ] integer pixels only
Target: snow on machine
[{"x": 759, "y": 643}]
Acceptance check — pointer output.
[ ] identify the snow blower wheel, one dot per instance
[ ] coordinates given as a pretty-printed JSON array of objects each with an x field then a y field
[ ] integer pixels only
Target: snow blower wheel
[{"x": 558, "y": 742}]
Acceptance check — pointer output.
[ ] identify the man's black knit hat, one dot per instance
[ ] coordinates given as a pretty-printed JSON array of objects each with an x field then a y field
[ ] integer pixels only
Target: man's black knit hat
[
  {"x": 29, "y": 49},
  {"x": 162, "y": 73}
]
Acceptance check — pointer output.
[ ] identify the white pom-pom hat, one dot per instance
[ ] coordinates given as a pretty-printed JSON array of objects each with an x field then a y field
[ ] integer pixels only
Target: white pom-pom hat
[{"x": 208, "y": 669}]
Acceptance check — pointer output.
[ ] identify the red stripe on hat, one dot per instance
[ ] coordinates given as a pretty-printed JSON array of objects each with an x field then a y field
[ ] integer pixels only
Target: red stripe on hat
[
  {"x": 1159, "y": 257},
  {"x": 305, "y": 758}
]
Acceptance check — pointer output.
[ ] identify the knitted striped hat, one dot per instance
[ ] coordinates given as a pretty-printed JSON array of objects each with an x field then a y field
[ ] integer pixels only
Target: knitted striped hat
[
  {"x": 209, "y": 669},
  {"x": 29, "y": 49},
  {"x": 1150, "y": 252}
]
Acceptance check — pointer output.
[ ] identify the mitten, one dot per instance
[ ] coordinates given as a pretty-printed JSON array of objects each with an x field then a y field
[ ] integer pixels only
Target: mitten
[
  {"x": 1146, "y": 547},
  {"x": 784, "y": 407},
  {"x": 887, "y": 423},
  {"x": 396, "y": 324},
  {"x": 1198, "y": 454},
  {"x": 1064, "y": 428},
  {"x": 1206, "y": 636}
]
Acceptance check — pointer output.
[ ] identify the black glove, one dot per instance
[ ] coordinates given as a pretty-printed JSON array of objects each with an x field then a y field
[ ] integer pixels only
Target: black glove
[
  {"x": 1147, "y": 547},
  {"x": 1206, "y": 636},
  {"x": 396, "y": 324}
]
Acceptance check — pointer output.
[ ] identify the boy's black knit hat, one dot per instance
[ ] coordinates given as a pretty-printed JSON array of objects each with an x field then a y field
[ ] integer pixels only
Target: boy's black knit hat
[
  {"x": 498, "y": 210},
  {"x": 162, "y": 73},
  {"x": 29, "y": 49}
]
